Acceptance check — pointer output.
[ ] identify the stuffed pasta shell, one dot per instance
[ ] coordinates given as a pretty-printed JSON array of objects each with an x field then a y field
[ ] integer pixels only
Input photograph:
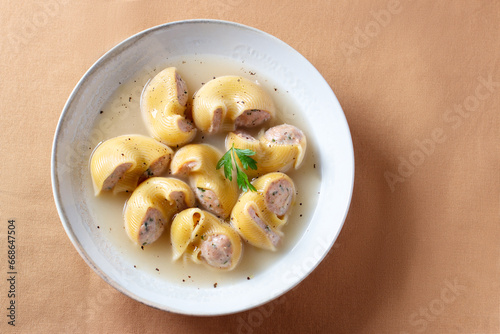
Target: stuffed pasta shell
[
  {"x": 120, "y": 163},
  {"x": 214, "y": 192},
  {"x": 163, "y": 103},
  {"x": 259, "y": 216},
  {"x": 228, "y": 102},
  {"x": 276, "y": 150},
  {"x": 152, "y": 206},
  {"x": 202, "y": 237}
]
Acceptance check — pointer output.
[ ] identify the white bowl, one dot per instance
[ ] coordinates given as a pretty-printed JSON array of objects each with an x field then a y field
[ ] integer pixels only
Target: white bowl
[{"x": 257, "y": 50}]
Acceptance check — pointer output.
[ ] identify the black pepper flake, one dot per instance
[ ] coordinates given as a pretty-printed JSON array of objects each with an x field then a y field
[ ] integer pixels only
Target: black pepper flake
[
  {"x": 314, "y": 166},
  {"x": 157, "y": 269},
  {"x": 215, "y": 285},
  {"x": 276, "y": 89},
  {"x": 300, "y": 203},
  {"x": 130, "y": 99},
  {"x": 142, "y": 247},
  {"x": 248, "y": 277},
  {"x": 184, "y": 280},
  {"x": 100, "y": 112},
  {"x": 98, "y": 226},
  {"x": 300, "y": 215}
]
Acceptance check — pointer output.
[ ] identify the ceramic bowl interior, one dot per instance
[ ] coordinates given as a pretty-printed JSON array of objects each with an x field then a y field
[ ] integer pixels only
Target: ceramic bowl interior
[{"x": 255, "y": 49}]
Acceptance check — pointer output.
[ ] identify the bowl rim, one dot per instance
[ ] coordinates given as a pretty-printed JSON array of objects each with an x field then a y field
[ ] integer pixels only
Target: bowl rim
[{"x": 55, "y": 184}]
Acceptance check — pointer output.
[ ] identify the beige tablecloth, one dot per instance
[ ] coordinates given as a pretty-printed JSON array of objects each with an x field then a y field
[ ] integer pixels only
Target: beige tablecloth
[{"x": 419, "y": 82}]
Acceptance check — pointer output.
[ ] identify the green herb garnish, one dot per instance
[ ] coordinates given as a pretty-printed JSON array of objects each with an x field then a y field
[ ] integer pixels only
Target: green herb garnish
[{"x": 246, "y": 161}]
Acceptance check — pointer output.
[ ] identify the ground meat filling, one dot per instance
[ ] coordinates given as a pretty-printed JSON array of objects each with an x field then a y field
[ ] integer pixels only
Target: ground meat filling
[
  {"x": 152, "y": 227},
  {"x": 217, "y": 251},
  {"x": 182, "y": 94},
  {"x": 186, "y": 168},
  {"x": 185, "y": 125},
  {"x": 179, "y": 199},
  {"x": 157, "y": 167},
  {"x": 252, "y": 117},
  {"x": 284, "y": 134},
  {"x": 279, "y": 196},
  {"x": 160, "y": 165},
  {"x": 216, "y": 121},
  {"x": 209, "y": 201},
  {"x": 244, "y": 135},
  {"x": 116, "y": 176},
  {"x": 271, "y": 235}
]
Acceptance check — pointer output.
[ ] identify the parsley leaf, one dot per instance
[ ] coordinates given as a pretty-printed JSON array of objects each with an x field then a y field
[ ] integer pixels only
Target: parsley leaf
[
  {"x": 228, "y": 165},
  {"x": 243, "y": 182},
  {"x": 246, "y": 161}
]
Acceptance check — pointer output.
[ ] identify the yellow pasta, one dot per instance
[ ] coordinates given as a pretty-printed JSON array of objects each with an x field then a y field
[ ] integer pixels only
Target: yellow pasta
[
  {"x": 227, "y": 102},
  {"x": 202, "y": 237},
  {"x": 259, "y": 216},
  {"x": 120, "y": 163},
  {"x": 152, "y": 205},
  {"x": 278, "y": 149},
  {"x": 214, "y": 192},
  {"x": 163, "y": 104}
]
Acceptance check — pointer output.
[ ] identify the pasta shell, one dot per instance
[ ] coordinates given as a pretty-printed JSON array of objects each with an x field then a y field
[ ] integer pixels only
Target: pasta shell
[
  {"x": 152, "y": 205},
  {"x": 214, "y": 192},
  {"x": 278, "y": 149},
  {"x": 202, "y": 237},
  {"x": 259, "y": 216},
  {"x": 224, "y": 103},
  {"x": 163, "y": 103},
  {"x": 120, "y": 163}
]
